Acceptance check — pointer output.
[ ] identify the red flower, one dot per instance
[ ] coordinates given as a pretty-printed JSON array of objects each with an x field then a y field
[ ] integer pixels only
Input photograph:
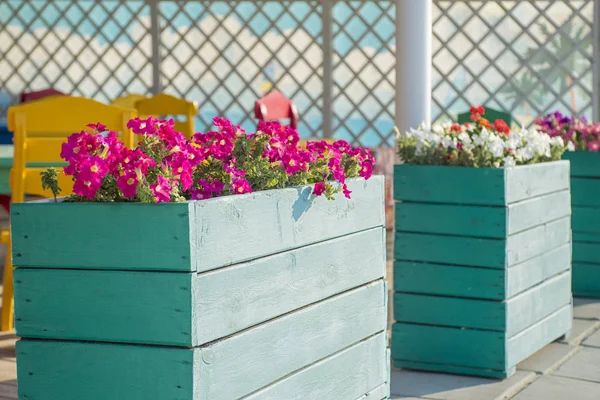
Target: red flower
[
  {"x": 456, "y": 128},
  {"x": 485, "y": 123},
  {"x": 501, "y": 127},
  {"x": 476, "y": 113}
]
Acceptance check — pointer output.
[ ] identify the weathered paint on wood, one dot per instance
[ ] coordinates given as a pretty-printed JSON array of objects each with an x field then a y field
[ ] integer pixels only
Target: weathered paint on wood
[
  {"x": 482, "y": 221},
  {"x": 585, "y": 192},
  {"x": 527, "y": 274},
  {"x": 188, "y": 309},
  {"x": 194, "y": 236},
  {"x": 230, "y": 368},
  {"x": 586, "y": 237},
  {"x": 473, "y": 352},
  {"x": 341, "y": 376},
  {"x": 529, "y": 341},
  {"x": 586, "y": 280},
  {"x": 510, "y": 316},
  {"x": 449, "y": 280},
  {"x": 583, "y": 163},
  {"x": 586, "y": 220},
  {"x": 478, "y": 186},
  {"x": 482, "y": 252},
  {"x": 480, "y": 283}
]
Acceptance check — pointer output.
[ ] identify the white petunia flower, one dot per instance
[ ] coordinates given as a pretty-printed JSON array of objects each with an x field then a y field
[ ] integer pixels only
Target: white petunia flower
[{"x": 509, "y": 162}]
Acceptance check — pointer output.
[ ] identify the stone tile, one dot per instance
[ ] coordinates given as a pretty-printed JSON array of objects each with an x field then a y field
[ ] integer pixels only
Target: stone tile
[
  {"x": 455, "y": 387},
  {"x": 550, "y": 387},
  {"x": 581, "y": 330},
  {"x": 583, "y": 365},
  {"x": 593, "y": 340},
  {"x": 548, "y": 359},
  {"x": 586, "y": 308}
]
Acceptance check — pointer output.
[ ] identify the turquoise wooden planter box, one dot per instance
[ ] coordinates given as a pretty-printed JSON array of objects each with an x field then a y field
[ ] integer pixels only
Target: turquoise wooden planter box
[
  {"x": 482, "y": 276},
  {"x": 272, "y": 295},
  {"x": 585, "y": 196}
]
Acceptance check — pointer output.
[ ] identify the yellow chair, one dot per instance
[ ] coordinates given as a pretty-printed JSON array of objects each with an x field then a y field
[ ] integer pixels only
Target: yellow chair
[
  {"x": 40, "y": 128},
  {"x": 166, "y": 105},
  {"x": 129, "y": 100}
]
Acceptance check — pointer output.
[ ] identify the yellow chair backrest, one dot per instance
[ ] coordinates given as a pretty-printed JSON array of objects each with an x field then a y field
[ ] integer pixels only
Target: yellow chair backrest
[
  {"x": 165, "y": 104},
  {"x": 40, "y": 128},
  {"x": 129, "y": 100}
]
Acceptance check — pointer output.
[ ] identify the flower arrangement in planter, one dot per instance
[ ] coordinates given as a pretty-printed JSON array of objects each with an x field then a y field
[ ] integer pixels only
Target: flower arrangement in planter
[
  {"x": 482, "y": 247},
  {"x": 254, "y": 257},
  {"x": 583, "y": 139},
  {"x": 167, "y": 167}
]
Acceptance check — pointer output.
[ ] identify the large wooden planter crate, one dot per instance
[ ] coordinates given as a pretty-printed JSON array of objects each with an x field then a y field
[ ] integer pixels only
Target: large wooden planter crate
[
  {"x": 585, "y": 196},
  {"x": 274, "y": 295},
  {"x": 482, "y": 276}
]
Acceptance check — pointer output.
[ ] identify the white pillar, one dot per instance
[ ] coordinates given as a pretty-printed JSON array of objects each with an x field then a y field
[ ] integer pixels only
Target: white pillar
[{"x": 413, "y": 62}]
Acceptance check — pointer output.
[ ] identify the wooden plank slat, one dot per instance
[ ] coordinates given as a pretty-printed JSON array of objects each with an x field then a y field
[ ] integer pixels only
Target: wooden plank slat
[
  {"x": 289, "y": 343},
  {"x": 195, "y": 236},
  {"x": 477, "y": 252},
  {"x": 585, "y": 192},
  {"x": 539, "y": 210},
  {"x": 510, "y": 316},
  {"x": 527, "y": 181},
  {"x": 77, "y": 235},
  {"x": 583, "y": 163},
  {"x": 527, "y": 274},
  {"x": 191, "y": 309},
  {"x": 586, "y": 252},
  {"x": 586, "y": 237},
  {"x": 233, "y": 229},
  {"x": 451, "y": 219},
  {"x": 467, "y": 348},
  {"x": 449, "y": 280},
  {"x": 586, "y": 220},
  {"x": 231, "y": 368},
  {"x": 341, "y": 376},
  {"x": 529, "y": 341},
  {"x": 539, "y": 240},
  {"x": 452, "y": 185},
  {"x": 586, "y": 280}
]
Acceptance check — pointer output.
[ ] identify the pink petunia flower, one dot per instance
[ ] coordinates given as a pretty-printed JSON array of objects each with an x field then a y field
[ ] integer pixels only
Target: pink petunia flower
[
  {"x": 319, "y": 188},
  {"x": 162, "y": 190},
  {"x": 128, "y": 183},
  {"x": 240, "y": 186}
]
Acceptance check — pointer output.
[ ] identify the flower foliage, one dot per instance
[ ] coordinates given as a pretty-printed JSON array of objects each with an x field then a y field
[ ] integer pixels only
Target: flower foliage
[
  {"x": 577, "y": 132},
  {"x": 478, "y": 144},
  {"x": 167, "y": 167}
]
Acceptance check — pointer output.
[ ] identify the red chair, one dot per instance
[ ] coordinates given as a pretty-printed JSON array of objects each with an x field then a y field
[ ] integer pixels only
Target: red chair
[
  {"x": 275, "y": 106},
  {"x": 40, "y": 94}
]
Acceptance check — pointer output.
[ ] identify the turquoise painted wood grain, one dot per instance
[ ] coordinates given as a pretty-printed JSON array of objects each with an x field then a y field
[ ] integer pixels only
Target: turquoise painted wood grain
[
  {"x": 583, "y": 163},
  {"x": 234, "y": 367},
  {"x": 449, "y": 280},
  {"x": 586, "y": 220},
  {"x": 453, "y": 185},
  {"x": 341, "y": 376},
  {"x": 278, "y": 348},
  {"x": 585, "y": 192},
  {"x": 530, "y": 307},
  {"x": 195, "y": 236},
  {"x": 453, "y": 369},
  {"x": 586, "y": 280},
  {"x": 466, "y": 348},
  {"x": 527, "y": 274},
  {"x": 533, "y": 339},
  {"x": 449, "y": 219},
  {"x": 478, "y": 252},
  {"x": 539, "y": 240},
  {"x": 187, "y": 309},
  {"x": 102, "y": 235},
  {"x": 450, "y": 311},
  {"x": 108, "y": 306},
  {"x": 478, "y": 186},
  {"x": 51, "y": 370},
  {"x": 528, "y": 181},
  {"x": 510, "y": 316},
  {"x": 586, "y": 253}
]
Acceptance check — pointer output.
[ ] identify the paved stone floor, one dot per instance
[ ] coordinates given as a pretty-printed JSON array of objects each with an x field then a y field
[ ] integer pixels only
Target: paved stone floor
[{"x": 566, "y": 370}]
